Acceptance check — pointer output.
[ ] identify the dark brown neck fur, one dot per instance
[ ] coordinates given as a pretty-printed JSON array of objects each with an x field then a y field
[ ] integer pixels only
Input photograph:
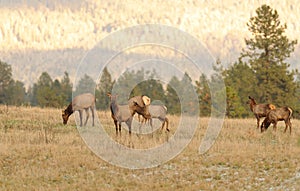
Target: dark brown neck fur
[
  {"x": 69, "y": 109},
  {"x": 114, "y": 106},
  {"x": 252, "y": 104}
]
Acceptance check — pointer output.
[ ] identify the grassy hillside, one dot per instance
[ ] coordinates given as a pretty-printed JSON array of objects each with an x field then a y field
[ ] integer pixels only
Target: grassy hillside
[{"x": 38, "y": 153}]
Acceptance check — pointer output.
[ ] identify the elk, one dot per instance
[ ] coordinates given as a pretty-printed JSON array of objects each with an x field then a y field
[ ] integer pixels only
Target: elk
[
  {"x": 120, "y": 113},
  {"x": 275, "y": 115},
  {"x": 140, "y": 105},
  {"x": 259, "y": 110},
  {"x": 79, "y": 103},
  {"x": 158, "y": 112},
  {"x": 124, "y": 113}
]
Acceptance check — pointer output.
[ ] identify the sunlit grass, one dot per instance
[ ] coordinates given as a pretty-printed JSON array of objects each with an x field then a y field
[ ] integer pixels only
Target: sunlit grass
[{"x": 37, "y": 152}]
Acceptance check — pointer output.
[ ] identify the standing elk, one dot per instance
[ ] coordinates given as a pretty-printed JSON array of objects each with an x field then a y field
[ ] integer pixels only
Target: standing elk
[
  {"x": 124, "y": 113},
  {"x": 279, "y": 114},
  {"x": 158, "y": 112},
  {"x": 259, "y": 110},
  {"x": 79, "y": 103},
  {"x": 120, "y": 113}
]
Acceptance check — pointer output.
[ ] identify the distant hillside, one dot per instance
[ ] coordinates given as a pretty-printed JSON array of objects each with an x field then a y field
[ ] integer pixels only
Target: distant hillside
[{"x": 54, "y": 35}]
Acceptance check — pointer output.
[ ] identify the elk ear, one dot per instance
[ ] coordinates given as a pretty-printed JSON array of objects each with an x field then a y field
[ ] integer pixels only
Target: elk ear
[
  {"x": 108, "y": 94},
  {"x": 249, "y": 97},
  {"x": 63, "y": 112}
]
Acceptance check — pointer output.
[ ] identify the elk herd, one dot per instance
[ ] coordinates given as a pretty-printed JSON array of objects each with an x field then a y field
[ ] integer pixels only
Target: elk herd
[
  {"x": 141, "y": 106},
  {"x": 119, "y": 113},
  {"x": 272, "y": 115}
]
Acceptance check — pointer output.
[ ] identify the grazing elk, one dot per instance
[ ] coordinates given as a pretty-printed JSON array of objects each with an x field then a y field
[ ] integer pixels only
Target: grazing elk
[
  {"x": 120, "y": 113},
  {"x": 279, "y": 114},
  {"x": 79, "y": 103},
  {"x": 259, "y": 110},
  {"x": 140, "y": 105},
  {"x": 158, "y": 112}
]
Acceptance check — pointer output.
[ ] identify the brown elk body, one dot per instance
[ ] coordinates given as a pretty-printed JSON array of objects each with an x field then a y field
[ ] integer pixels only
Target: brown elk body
[
  {"x": 259, "y": 110},
  {"x": 279, "y": 114},
  {"x": 140, "y": 105},
  {"x": 79, "y": 103}
]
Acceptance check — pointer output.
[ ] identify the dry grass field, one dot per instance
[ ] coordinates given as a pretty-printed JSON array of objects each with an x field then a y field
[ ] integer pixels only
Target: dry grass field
[{"x": 38, "y": 153}]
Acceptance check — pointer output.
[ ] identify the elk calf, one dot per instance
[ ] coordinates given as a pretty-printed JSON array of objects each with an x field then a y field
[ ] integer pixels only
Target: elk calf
[
  {"x": 259, "y": 110},
  {"x": 158, "y": 112},
  {"x": 279, "y": 114}
]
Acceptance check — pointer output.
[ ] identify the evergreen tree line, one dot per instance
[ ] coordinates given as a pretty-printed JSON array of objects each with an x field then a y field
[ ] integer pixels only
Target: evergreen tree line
[
  {"x": 58, "y": 93},
  {"x": 47, "y": 92},
  {"x": 261, "y": 72}
]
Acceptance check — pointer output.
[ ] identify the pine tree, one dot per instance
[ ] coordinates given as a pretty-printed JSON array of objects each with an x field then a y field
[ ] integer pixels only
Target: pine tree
[
  {"x": 173, "y": 101},
  {"x": 66, "y": 88},
  {"x": 204, "y": 96},
  {"x": 239, "y": 80},
  {"x": 103, "y": 87},
  {"x": 266, "y": 53},
  {"x": 16, "y": 93},
  {"x": 85, "y": 85},
  {"x": 234, "y": 106},
  {"x": 5, "y": 81},
  {"x": 126, "y": 83},
  {"x": 189, "y": 102},
  {"x": 297, "y": 105},
  {"x": 59, "y": 99},
  {"x": 149, "y": 86},
  {"x": 44, "y": 93}
]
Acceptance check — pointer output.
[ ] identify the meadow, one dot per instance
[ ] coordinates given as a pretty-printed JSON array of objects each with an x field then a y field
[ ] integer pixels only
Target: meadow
[{"x": 37, "y": 152}]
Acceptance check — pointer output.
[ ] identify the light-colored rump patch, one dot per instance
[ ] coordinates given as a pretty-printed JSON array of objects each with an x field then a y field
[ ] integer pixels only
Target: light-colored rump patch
[
  {"x": 146, "y": 100},
  {"x": 165, "y": 107},
  {"x": 271, "y": 106},
  {"x": 291, "y": 112}
]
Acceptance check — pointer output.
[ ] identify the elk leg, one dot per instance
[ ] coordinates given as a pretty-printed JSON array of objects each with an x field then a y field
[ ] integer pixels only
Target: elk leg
[
  {"x": 120, "y": 128},
  {"x": 162, "y": 122},
  {"x": 116, "y": 125},
  {"x": 262, "y": 129},
  {"x": 141, "y": 121},
  {"x": 129, "y": 128},
  {"x": 167, "y": 122},
  {"x": 128, "y": 123},
  {"x": 288, "y": 124},
  {"x": 87, "y": 116},
  {"x": 93, "y": 115},
  {"x": 257, "y": 122},
  {"x": 151, "y": 125},
  {"x": 80, "y": 116},
  {"x": 150, "y": 121}
]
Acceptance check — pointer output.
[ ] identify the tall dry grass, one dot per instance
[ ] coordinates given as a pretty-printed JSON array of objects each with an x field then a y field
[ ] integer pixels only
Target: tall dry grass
[{"x": 38, "y": 153}]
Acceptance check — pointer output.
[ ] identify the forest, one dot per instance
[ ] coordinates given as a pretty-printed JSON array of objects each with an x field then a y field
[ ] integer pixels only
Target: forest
[{"x": 262, "y": 71}]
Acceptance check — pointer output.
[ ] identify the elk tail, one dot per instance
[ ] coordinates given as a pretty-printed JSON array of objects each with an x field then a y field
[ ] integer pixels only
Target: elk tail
[{"x": 291, "y": 112}]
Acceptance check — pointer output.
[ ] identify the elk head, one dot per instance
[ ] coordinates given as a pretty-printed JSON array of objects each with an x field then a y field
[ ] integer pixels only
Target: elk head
[{"x": 65, "y": 117}]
